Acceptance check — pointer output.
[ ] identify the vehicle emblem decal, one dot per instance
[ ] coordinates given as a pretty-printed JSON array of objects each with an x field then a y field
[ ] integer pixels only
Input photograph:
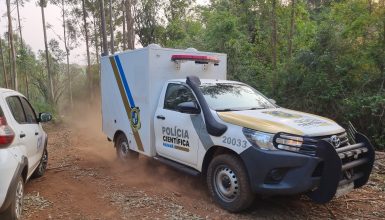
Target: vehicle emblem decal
[
  {"x": 282, "y": 114},
  {"x": 133, "y": 112},
  {"x": 335, "y": 141}
]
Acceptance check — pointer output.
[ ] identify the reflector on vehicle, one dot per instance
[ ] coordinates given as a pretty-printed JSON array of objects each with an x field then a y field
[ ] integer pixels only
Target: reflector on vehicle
[
  {"x": 6, "y": 133},
  {"x": 200, "y": 59}
]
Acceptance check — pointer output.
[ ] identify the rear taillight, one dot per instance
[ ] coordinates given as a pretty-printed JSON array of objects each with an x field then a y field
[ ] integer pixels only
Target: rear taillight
[{"x": 6, "y": 133}]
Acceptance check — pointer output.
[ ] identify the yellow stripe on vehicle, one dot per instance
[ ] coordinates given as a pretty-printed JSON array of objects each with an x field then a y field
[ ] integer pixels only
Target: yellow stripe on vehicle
[
  {"x": 257, "y": 124},
  {"x": 126, "y": 104}
]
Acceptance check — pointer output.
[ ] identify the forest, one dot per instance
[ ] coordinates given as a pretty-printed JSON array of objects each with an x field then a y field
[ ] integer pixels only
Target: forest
[{"x": 320, "y": 56}]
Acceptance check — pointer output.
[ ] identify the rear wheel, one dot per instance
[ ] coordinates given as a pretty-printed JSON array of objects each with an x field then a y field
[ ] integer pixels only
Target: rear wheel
[
  {"x": 15, "y": 209},
  {"x": 228, "y": 183},
  {"x": 40, "y": 170},
  {"x": 123, "y": 150}
]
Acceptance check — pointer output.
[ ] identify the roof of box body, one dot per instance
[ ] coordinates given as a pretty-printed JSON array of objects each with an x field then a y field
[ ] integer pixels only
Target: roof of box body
[
  {"x": 205, "y": 81},
  {"x": 157, "y": 47}
]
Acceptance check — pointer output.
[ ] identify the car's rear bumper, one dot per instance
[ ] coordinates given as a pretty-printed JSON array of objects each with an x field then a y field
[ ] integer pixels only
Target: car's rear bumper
[{"x": 286, "y": 173}]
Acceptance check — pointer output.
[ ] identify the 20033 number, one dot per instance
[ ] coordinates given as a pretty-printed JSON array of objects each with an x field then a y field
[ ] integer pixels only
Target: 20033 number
[{"x": 234, "y": 141}]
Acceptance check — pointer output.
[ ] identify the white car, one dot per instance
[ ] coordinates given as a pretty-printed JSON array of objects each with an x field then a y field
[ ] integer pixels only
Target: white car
[{"x": 23, "y": 150}]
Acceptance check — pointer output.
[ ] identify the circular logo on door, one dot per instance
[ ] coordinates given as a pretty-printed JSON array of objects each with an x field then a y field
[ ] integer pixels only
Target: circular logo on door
[{"x": 135, "y": 118}]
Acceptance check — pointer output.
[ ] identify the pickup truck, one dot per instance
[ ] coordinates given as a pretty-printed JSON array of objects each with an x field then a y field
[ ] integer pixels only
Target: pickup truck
[{"x": 177, "y": 107}]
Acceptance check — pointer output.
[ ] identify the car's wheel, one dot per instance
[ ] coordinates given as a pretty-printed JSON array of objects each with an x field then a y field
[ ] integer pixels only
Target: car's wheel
[
  {"x": 123, "y": 150},
  {"x": 40, "y": 170},
  {"x": 15, "y": 209},
  {"x": 229, "y": 184}
]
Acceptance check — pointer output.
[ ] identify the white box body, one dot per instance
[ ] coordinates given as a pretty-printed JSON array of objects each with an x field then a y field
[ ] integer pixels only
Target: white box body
[{"x": 146, "y": 70}]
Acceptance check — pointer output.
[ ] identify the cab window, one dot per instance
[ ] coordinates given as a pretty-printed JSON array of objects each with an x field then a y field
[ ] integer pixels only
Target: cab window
[
  {"x": 30, "y": 114},
  {"x": 16, "y": 109},
  {"x": 176, "y": 94}
]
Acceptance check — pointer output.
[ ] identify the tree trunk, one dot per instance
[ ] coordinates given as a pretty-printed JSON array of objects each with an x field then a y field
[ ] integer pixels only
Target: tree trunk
[
  {"x": 2, "y": 61},
  {"x": 130, "y": 26},
  {"x": 12, "y": 46},
  {"x": 43, "y": 4},
  {"x": 291, "y": 33},
  {"x": 23, "y": 52},
  {"x": 103, "y": 24},
  {"x": 370, "y": 6},
  {"x": 382, "y": 64},
  {"x": 10, "y": 63},
  {"x": 89, "y": 81},
  {"x": 96, "y": 22},
  {"x": 124, "y": 26},
  {"x": 111, "y": 30},
  {"x": 67, "y": 53},
  {"x": 274, "y": 34}
]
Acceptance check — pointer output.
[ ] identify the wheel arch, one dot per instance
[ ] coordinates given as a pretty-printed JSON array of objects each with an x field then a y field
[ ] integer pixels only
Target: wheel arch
[
  {"x": 214, "y": 151},
  {"x": 117, "y": 133},
  {"x": 24, "y": 171}
]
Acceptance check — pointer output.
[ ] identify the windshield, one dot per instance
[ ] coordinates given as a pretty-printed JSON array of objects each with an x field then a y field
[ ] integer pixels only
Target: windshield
[{"x": 233, "y": 97}]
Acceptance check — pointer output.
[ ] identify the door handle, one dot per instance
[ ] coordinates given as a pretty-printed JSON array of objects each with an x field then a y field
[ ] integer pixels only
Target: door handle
[
  {"x": 160, "y": 117},
  {"x": 22, "y": 135},
  {"x": 36, "y": 133}
]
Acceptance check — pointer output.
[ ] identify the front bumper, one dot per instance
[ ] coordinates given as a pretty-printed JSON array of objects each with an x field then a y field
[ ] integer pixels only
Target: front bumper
[{"x": 287, "y": 173}]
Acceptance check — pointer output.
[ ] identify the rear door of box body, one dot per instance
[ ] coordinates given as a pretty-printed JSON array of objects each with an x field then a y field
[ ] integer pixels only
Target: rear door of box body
[{"x": 124, "y": 98}]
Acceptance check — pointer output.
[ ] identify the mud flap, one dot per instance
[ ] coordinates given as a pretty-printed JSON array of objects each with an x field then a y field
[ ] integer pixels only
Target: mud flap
[
  {"x": 331, "y": 173},
  {"x": 332, "y": 176}
]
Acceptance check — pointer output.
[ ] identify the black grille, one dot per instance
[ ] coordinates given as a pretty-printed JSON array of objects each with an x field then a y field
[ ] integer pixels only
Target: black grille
[
  {"x": 343, "y": 137},
  {"x": 309, "y": 144}
]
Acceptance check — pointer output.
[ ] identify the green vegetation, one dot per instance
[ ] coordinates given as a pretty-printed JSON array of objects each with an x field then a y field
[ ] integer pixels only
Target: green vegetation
[
  {"x": 320, "y": 56},
  {"x": 335, "y": 65}
]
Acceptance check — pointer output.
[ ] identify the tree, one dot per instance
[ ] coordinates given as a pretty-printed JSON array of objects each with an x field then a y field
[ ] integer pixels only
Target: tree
[
  {"x": 22, "y": 48},
  {"x": 3, "y": 64},
  {"x": 12, "y": 47},
  {"x": 291, "y": 33},
  {"x": 103, "y": 25},
  {"x": 147, "y": 20},
  {"x": 43, "y": 4},
  {"x": 130, "y": 25},
  {"x": 85, "y": 26},
  {"x": 111, "y": 28},
  {"x": 274, "y": 33},
  {"x": 124, "y": 25}
]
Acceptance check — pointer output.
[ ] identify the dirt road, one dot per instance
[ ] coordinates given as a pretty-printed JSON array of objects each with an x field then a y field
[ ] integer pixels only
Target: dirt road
[{"x": 84, "y": 181}]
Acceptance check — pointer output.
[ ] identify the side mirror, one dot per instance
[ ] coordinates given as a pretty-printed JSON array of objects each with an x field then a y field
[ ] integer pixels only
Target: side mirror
[
  {"x": 273, "y": 101},
  {"x": 189, "y": 108},
  {"x": 45, "y": 117}
]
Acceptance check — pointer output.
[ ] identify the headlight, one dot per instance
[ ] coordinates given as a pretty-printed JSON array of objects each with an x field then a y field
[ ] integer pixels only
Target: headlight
[
  {"x": 265, "y": 140},
  {"x": 259, "y": 139},
  {"x": 289, "y": 142}
]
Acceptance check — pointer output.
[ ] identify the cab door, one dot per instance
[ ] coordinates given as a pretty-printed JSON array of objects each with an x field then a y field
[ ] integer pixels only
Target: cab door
[
  {"x": 26, "y": 129},
  {"x": 175, "y": 135},
  {"x": 37, "y": 132}
]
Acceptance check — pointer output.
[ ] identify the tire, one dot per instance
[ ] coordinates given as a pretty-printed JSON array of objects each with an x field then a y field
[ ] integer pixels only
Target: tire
[
  {"x": 123, "y": 151},
  {"x": 40, "y": 170},
  {"x": 15, "y": 209},
  {"x": 229, "y": 184}
]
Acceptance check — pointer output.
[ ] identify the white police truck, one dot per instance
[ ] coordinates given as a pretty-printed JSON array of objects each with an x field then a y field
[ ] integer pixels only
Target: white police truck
[{"x": 177, "y": 107}]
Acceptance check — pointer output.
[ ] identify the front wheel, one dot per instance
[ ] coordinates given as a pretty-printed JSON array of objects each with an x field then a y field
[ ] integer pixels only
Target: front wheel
[
  {"x": 228, "y": 183},
  {"x": 123, "y": 150}
]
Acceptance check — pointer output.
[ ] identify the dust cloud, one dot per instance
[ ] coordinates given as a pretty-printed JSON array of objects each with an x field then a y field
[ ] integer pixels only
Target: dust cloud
[{"x": 85, "y": 122}]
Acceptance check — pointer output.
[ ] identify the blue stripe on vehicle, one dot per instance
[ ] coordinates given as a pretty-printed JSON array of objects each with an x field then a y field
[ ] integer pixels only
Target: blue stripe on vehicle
[{"x": 124, "y": 80}]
